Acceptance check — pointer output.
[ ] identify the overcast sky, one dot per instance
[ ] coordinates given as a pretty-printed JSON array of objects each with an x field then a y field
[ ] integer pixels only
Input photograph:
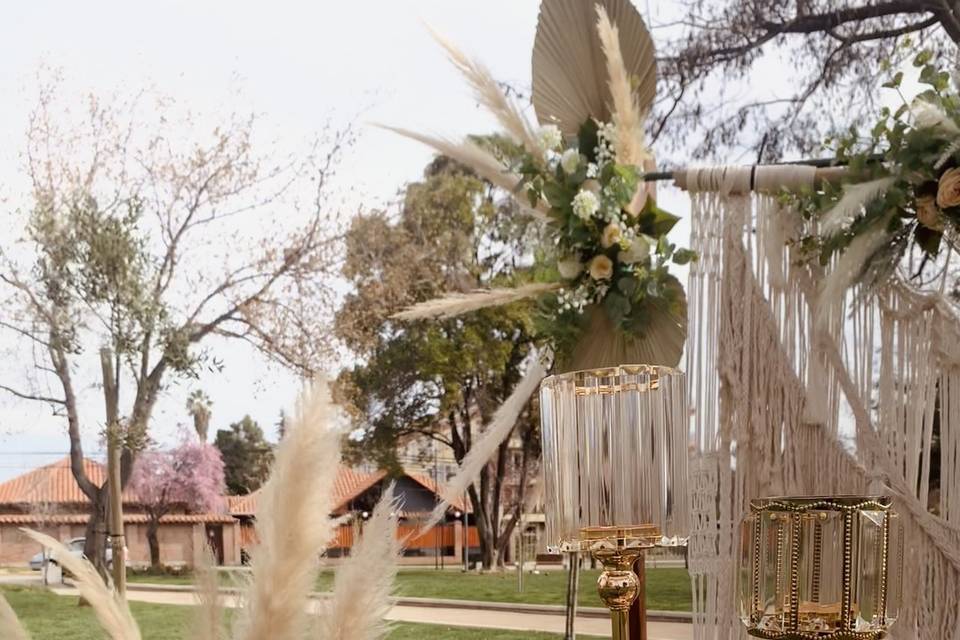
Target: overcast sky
[{"x": 297, "y": 63}]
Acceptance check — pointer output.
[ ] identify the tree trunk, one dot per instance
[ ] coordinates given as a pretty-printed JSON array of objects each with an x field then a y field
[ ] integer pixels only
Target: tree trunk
[
  {"x": 94, "y": 545},
  {"x": 153, "y": 541}
]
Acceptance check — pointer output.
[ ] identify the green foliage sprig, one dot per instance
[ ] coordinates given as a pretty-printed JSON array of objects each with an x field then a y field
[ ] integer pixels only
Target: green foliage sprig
[{"x": 916, "y": 147}]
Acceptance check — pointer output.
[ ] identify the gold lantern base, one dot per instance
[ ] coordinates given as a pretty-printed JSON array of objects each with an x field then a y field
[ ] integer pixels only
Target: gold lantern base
[{"x": 617, "y": 548}]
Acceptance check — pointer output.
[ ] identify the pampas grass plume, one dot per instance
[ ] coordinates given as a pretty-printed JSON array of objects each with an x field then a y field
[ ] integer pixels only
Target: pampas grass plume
[
  {"x": 10, "y": 627},
  {"x": 364, "y": 582},
  {"x": 466, "y": 152},
  {"x": 456, "y": 304},
  {"x": 488, "y": 93},
  {"x": 848, "y": 268},
  {"x": 208, "y": 616},
  {"x": 631, "y": 140},
  {"x": 111, "y": 610},
  {"x": 486, "y": 445},
  {"x": 855, "y": 198},
  {"x": 293, "y": 523}
]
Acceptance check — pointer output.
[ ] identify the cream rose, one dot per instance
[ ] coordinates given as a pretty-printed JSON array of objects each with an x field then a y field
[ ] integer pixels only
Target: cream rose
[
  {"x": 601, "y": 267},
  {"x": 570, "y": 268},
  {"x": 611, "y": 235},
  {"x": 948, "y": 192},
  {"x": 928, "y": 214}
]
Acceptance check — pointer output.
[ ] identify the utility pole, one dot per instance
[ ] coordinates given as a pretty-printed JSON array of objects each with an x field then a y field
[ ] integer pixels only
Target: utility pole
[{"x": 117, "y": 545}]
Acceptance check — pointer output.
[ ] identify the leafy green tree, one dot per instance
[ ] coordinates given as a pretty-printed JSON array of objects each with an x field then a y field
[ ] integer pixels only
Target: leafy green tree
[
  {"x": 440, "y": 380},
  {"x": 246, "y": 456}
]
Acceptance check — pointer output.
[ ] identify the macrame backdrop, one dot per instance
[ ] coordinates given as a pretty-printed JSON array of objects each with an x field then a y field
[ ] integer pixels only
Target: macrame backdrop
[{"x": 790, "y": 398}]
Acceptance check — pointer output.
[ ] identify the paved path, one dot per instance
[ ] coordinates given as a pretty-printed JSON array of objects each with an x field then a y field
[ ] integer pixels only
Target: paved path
[{"x": 452, "y": 617}]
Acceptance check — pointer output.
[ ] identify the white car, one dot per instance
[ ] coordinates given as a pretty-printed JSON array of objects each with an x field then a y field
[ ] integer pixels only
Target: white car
[{"x": 75, "y": 545}]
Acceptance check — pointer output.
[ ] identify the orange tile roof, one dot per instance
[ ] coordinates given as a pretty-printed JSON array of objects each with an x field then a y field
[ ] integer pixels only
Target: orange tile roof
[
  {"x": 129, "y": 518},
  {"x": 54, "y": 484},
  {"x": 428, "y": 482},
  {"x": 349, "y": 484}
]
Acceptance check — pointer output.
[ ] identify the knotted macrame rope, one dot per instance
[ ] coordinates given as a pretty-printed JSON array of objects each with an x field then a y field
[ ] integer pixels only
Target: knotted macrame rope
[{"x": 793, "y": 399}]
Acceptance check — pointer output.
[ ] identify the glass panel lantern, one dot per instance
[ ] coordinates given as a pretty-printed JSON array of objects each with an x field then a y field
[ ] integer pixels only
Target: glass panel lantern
[
  {"x": 615, "y": 449},
  {"x": 820, "y": 567}
]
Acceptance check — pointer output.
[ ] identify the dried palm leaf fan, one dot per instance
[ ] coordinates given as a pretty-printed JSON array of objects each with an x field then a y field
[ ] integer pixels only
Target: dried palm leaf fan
[{"x": 570, "y": 77}]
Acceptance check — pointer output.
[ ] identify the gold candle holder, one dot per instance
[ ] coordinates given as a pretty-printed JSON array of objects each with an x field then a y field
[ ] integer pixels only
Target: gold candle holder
[
  {"x": 820, "y": 568},
  {"x": 617, "y": 549}
]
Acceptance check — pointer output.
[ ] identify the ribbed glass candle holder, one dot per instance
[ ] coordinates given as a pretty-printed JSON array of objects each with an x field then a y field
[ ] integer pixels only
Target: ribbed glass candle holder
[
  {"x": 615, "y": 449},
  {"x": 813, "y": 568}
]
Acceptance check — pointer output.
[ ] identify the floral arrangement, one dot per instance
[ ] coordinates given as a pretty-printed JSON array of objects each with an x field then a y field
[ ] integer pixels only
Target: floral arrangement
[
  {"x": 607, "y": 233},
  {"x": 602, "y": 282},
  {"x": 907, "y": 190}
]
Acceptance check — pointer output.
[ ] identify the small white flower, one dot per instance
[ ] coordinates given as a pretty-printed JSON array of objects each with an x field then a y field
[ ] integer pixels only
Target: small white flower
[
  {"x": 570, "y": 160},
  {"x": 549, "y": 137},
  {"x": 638, "y": 251},
  {"x": 592, "y": 170},
  {"x": 357, "y": 435},
  {"x": 601, "y": 267},
  {"x": 570, "y": 267},
  {"x": 611, "y": 235},
  {"x": 585, "y": 204}
]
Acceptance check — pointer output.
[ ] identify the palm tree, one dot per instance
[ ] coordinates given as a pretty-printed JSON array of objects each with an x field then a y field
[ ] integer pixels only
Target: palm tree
[{"x": 198, "y": 406}]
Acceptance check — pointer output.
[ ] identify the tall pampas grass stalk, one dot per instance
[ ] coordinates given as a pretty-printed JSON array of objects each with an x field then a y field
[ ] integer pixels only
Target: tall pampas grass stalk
[
  {"x": 208, "y": 616},
  {"x": 456, "y": 304},
  {"x": 364, "y": 582},
  {"x": 111, "y": 610},
  {"x": 293, "y": 523},
  {"x": 855, "y": 197},
  {"x": 493, "y": 436},
  {"x": 631, "y": 145},
  {"x": 466, "y": 152},
  {"x": 10, "y": 627},
  {"x": 488, "y": 93}
]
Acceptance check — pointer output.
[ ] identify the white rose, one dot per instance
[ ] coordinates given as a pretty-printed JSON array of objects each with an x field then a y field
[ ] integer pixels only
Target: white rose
[
  {"x": 570, "y": 268},
  {"x": 611, "y": 235},
  {"x": 549, "y": 137},
  {"x": 638, "y": 251},
  {"x": 570, "y": 160},
  {"x": 585, "y": 204},
  {"x": 601, "y": 267}
]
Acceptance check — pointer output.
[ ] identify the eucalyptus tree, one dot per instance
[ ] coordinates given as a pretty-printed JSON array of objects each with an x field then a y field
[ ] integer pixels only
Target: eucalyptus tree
[{"x": 440, "y": 381}]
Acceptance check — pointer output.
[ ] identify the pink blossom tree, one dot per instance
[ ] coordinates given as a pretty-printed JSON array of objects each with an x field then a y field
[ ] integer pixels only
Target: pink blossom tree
[{"x": 188, "y": 477}]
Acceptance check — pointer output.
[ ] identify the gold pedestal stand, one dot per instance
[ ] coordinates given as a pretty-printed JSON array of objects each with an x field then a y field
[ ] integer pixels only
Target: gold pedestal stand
[{"x": 617, "y": 549}]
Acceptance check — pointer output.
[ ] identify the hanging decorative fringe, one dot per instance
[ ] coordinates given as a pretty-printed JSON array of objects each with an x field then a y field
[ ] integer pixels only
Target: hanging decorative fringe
[{"x": 793, "y": 398}]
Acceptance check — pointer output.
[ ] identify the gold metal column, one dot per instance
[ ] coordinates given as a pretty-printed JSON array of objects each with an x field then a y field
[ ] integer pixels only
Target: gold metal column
[{"x": 617, "y": 549}]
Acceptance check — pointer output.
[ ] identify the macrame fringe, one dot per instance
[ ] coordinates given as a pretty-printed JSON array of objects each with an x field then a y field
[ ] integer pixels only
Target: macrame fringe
[{"x": 792, "y": 398}]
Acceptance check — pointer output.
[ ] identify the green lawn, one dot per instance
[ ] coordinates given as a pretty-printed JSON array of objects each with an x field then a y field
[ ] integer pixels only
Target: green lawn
[
  {"x": 668, "y": 589},
  {"x": 51, "y": 617}
]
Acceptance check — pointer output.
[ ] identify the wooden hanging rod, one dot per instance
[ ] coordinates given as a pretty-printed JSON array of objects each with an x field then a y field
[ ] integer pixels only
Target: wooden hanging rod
[{"x": 833, "y": 165}]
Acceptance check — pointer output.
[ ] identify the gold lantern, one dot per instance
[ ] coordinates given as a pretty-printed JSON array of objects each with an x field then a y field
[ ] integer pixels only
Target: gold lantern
[
  {"x": 818, "y": 568},
  {"x": 615, "y": 447}
]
